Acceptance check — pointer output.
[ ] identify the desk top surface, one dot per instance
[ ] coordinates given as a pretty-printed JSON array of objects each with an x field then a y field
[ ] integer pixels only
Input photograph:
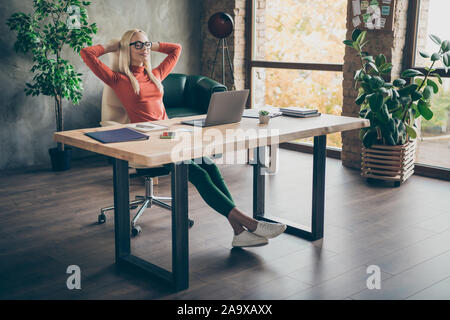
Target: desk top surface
[{"x": 211, "y": 140}]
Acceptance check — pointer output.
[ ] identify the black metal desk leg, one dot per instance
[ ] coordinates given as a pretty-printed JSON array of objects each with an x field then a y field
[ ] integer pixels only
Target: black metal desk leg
[
  {"x": 318, "y": 196},
  {"x": 313, "y": 232},
  {"x": 259, "y": 182},
  {"x": 121, "y": 209},
  {"x": 180, "y": 237}
]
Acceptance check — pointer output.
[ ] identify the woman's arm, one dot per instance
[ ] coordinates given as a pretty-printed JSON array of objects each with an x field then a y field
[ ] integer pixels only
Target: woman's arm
[
  {"x": 173, "y": 51},
  {"x": 90, "y": 56}
]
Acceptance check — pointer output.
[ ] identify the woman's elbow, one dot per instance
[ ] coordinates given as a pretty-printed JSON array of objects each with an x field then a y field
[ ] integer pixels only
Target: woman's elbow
[
  {"x": 179, "y": 48},
  {"x": 84, "y": 53}
]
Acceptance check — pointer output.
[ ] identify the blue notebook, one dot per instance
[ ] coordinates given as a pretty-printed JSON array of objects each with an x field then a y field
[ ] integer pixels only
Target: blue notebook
[{"x": 117, "y": 135}]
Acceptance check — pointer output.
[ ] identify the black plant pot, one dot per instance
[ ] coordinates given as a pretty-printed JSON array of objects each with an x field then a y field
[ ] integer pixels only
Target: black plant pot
[{"x": 60, "y": 159}]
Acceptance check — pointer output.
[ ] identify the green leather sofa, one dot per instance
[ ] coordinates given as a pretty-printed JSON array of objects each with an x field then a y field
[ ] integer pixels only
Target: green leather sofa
[{"x": 188, "y": 95}]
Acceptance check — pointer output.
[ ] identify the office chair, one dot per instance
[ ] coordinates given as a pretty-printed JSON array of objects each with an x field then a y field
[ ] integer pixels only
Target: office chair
[{"x": 184, "y": 95}]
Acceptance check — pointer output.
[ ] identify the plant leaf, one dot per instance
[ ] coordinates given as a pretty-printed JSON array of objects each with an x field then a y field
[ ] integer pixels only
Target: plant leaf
[
  {"x": 410, "y": 73},
  {"x": 445, "y": 46},
  {"x": 348, "y": 43},
  {"x": 368, "y": 58},
  {"x": 355, "y": 34},
  {"x": 435, "y": 39},
  {"x": 380, "y": 60},
  {"x": 374, "y": 67},
  {"x": 437, "y": 76},
  {"x": 375, "y": 102},
  {"x": 386, "y": 68},
  {"x": 435, "y": 56},
  {"x": 424, "y": 110},
  {"x": 424, "y": 54},
  {"x": 361, "y": 37},
  {"x": 433, "y": 85},
  {"x": 399, "y": 82},
  {"x": 411, "y": 131},
  {"x": 446, "y": 59},
  {"x": 427, "y": 92}
]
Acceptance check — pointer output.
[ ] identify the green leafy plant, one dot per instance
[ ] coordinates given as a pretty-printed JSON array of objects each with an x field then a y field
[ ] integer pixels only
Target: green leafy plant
[
  {"x": 52, "y": 25},
  {"x": 392, "y": 107},
  {"x": 263, "y": 113}
]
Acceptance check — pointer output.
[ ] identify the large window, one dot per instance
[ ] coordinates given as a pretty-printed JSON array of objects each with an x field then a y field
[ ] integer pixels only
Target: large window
[
  {"x": 297, "y": 55},
  {"x": 430, "y": 17}
]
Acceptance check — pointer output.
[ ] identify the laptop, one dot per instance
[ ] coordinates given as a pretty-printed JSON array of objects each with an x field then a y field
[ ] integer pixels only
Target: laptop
[{"x": 224, "y": 107}]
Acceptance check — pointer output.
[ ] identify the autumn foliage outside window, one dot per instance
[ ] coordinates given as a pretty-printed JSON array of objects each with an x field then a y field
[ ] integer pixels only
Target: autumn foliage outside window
[{"x": 300, "y": 31}]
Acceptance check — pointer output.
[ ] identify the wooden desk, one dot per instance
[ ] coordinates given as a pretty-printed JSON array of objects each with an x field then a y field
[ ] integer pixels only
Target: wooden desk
[{"x": 206, "y": 142}]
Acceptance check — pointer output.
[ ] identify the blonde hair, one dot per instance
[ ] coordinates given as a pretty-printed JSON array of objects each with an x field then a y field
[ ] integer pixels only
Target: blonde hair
[{"x": 122, "y": 60}]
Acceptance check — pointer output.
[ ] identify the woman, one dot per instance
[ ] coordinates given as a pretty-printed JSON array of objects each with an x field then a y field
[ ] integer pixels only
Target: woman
[{"x": 139, "y": 88}]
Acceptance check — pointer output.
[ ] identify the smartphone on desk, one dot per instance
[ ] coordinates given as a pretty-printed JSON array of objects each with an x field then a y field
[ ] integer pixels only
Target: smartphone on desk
[{"x": 168, "y": 135}]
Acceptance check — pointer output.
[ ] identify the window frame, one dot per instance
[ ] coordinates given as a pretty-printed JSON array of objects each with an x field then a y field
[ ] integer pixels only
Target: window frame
[{"x": 409, "y": 63}]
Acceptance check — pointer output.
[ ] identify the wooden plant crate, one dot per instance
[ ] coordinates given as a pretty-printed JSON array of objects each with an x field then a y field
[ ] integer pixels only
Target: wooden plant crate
[{"x": 390, "y": 163}]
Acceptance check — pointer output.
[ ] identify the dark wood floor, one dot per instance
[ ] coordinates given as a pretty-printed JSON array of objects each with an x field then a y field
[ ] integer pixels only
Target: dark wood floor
[{"x": 48, "y": 222}]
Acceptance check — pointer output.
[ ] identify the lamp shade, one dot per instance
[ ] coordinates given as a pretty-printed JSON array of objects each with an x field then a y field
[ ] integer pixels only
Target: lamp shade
[{"x": 220, "y": 25}]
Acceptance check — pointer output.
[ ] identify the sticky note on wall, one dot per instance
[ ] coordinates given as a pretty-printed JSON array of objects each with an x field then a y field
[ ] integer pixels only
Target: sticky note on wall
[
  {"x": 356, "y": 7},
  {"x": 366, "y": 17},
  {"x": 364, "y": 4},
  {"x": 356, "y": 21}
]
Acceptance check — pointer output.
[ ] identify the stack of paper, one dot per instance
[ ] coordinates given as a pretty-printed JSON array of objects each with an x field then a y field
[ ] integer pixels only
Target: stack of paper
[
  {"x": 300, "y": 112},
  {"x": 146, "y": 126}
]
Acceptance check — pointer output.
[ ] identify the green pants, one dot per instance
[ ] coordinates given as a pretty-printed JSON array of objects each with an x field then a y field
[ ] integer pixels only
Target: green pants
[{"x": 206, "y": 178}]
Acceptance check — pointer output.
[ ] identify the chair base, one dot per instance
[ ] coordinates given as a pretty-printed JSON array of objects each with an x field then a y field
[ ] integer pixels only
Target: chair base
[{"x": 146, "y": 202}]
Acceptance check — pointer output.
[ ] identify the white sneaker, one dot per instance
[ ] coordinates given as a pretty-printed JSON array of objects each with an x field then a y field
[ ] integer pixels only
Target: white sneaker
[
  {"x": 269, "y": 230},
  {"x": 247, "y": 239}
]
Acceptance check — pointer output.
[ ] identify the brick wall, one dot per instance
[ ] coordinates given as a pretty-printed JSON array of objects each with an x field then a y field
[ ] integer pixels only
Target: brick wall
[{"x": 389, "y": 42}]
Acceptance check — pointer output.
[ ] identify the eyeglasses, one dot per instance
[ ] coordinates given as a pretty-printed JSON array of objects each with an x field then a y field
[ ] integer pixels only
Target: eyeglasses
[{"x": 139, "y": 44}]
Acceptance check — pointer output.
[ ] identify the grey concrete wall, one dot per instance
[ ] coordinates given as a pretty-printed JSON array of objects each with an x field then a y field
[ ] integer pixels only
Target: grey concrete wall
[{"x": 27, "y": 123}]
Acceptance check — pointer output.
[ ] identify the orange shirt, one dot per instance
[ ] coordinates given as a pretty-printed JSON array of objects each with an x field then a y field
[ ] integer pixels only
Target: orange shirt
[{"x": 148, "y": 105}]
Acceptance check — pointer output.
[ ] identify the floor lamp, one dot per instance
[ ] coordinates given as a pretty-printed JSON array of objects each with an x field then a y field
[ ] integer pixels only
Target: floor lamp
[{"x": 221, "y": 25}]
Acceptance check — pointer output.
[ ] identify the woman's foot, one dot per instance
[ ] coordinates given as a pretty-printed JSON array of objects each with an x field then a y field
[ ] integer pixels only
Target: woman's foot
[
  {"x": 240, "y": 222},
  {"x": 248, "y": 239},
  {"x": 269, "y": 230}
]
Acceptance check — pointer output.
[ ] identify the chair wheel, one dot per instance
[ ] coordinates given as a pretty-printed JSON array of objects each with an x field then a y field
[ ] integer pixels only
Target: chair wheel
[
  {"x": 133, "y": 207},
  {"x": 191, "y": 223},
  {"x": 101, "y": 218},
  {"x": 135, "y": 231}
]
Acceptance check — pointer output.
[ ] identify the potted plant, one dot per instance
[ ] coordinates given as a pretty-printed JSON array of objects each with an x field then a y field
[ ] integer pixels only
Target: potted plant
[
  {"x": 44, "y": 33},
  {"x": 263, "y": 116},
  {"x": 393, "y": 108}
]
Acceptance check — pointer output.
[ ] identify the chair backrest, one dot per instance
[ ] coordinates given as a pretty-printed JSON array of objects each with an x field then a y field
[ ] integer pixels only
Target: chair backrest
[{"x": 113, "y": 111}]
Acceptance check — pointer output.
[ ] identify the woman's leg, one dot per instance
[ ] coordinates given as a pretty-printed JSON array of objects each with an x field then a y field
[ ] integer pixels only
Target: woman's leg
[
  {"x": 217, "y": 199},
  {"x": 215, "y": 175},
  {"x": 237, "y": 219},
  {"x": 208, "y": 190}
]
